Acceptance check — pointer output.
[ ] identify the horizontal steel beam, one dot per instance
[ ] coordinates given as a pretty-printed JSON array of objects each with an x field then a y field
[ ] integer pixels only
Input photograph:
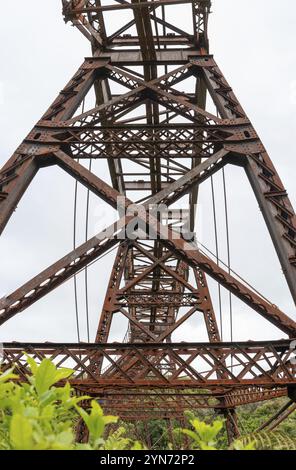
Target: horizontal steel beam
[
  {"x": 123, "y": 6},
  {"x": 197, "y": 365},
  {"x": 162, "y": 57}
]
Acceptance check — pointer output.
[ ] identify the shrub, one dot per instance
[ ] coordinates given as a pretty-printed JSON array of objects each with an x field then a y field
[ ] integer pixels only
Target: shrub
[{"x": 38, "y": 415}]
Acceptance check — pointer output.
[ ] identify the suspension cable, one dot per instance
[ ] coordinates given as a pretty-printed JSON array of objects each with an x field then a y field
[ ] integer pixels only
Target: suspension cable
[
  {"x": 228, "y": 250},
  {"x": 208, "y": 252},
  {"x": 217, "y": 252},
  {"x": 86, "y": 268},
  {"x": 74, "y": 247},
  {"x": 99, "y": 258}
]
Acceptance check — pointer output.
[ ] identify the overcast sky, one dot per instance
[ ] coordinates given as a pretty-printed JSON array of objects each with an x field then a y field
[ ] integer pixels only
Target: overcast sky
[{"x": 254, "y": 45}]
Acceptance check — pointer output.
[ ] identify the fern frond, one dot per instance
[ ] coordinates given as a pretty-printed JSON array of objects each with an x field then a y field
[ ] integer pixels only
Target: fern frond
[{"x": 269, "y": 440}]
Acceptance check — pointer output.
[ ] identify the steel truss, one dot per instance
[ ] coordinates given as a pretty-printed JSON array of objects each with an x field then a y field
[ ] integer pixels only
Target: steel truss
[{"x": 163, "y": 143}]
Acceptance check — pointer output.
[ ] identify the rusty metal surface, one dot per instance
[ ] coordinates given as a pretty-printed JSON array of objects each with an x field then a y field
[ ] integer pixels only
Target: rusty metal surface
[
  {"x": 196, "y": 365},
  {"x": 136, "y": 381},
  {"x": 162, "y": 143}
]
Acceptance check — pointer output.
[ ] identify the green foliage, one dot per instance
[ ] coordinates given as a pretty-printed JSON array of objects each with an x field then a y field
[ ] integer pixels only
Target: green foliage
[
  {"x": 252, "y": 416},
  {"x": 37, "y": 415},
  {"x": 269, "y": 440},
  {"x": 118, "y": 441},
  {"x": 41, "y": 413},
  {"x": 205, "y": 436},
  {"x": 45, "y": 375}
]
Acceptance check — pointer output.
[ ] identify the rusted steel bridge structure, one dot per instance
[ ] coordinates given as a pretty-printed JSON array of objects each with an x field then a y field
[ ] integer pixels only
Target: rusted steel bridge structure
[{"x": 162, "y": 143}]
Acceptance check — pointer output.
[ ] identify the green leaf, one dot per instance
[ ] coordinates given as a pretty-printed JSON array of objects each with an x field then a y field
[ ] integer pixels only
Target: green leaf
[
  {"x": 49, "y": 397},
  {"x": 7, "y": 375},
  {"x": 47, "y": 375},
  {"x": 47, "y": 412},
  {"x": 239, "y": 445},
  {"x": 95, "y": 420},
  {"x": 79, "y": 446},
  {"x": 21, "y": 433},
  {"x": 30, "y": 412},
  {"x": 96, "y": 409},
  {"x": 84, "y": 415},
  {"x": 110, "y": 419},
  {"x": 63, "y": 441},
  {"x": 95, "y": 425},
  {"x": 207, "y": 432},
  {"x": 137, "y": 446},
  {"x": 63, "y": 374},
  {"x": 190, "y": 433},
  {"x": 32, "y": 363}
]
